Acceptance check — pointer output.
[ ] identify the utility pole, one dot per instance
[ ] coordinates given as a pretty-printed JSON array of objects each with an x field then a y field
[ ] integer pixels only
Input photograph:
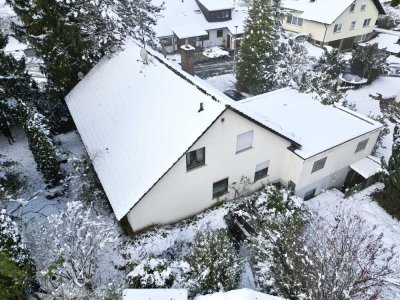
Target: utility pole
[{"x": 234, "y": 51}]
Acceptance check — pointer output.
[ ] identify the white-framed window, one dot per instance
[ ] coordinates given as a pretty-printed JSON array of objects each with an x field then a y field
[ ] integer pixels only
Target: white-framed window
[
  {"x": 363, "y": 7},
  {"x": 244, "y": 141},
  {"x": 367, "y": 22},
  {"x": 319, "y": 164},
  {"x": 352, "y": 7},
  {"x": 337, "y": 28},
  {"x": 261, "y": 170},
  {"x": 220, "y": 188},
  {"x": 353, "y": 25},
  {"x": 195, "y": 158},
  {"x": 294, "y": 20},
  {"x": 361, "y": 145}
]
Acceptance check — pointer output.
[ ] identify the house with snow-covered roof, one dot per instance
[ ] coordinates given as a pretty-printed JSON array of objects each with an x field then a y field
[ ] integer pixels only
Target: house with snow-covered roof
[
  {"x": 166, "y": 145},
  {"x": 200, "y": 23},
  {"x": 339, "y": 23}
]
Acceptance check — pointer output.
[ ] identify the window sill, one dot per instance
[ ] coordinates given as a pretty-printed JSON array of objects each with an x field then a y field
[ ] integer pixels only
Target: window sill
[
  {"x": 195, "y": 168},
  {"x": 219, "y": 196},
  {"x": 244, "y": 150}
]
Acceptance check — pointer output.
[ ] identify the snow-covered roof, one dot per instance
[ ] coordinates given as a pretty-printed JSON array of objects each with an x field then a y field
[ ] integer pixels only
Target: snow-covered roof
[
  {"x": 213, "y": 5},
  {"x": 186, "y": 16},
  {"x": 242, "y": 294},
  {"x": 191, "y": 30},
  {"x": 367, "y": 167},
  {"x": 136, "y": 120},
  {"x": 322, "y": 11},
  {"x": 298, "y": 117},
  {"x": 155, "y": 294}
]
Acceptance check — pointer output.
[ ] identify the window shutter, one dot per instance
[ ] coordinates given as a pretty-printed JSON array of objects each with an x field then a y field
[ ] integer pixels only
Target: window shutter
[
  {"x": 244, "y": 141},
  {"x": 262, "y": 166}
]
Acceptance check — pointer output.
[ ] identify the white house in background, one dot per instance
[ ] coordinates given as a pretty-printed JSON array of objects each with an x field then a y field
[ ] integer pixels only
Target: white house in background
[
  {"x": 338, "y": 23},
  {"x": 165, "y": 145},
  {"x": 200, "y": 23}
]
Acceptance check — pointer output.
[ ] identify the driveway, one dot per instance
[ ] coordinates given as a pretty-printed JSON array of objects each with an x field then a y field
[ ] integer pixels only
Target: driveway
[{"x": 212, "y": 67}]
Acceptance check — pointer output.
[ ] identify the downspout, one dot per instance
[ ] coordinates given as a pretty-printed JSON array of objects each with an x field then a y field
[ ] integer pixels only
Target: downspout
[{"x": 326, "y": 29}]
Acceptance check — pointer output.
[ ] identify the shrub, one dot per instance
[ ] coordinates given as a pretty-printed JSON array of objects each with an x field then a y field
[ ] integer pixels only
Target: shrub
[
  {"x": 151, "y": 273},
  {"x": 212, "y": 265},
  {"x": 369, "y": 62}
]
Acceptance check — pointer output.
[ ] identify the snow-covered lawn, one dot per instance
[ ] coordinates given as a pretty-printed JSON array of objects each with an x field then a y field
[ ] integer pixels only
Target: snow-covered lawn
[
  {"x": 222, "y": 82},
  {"x": 388, "y": 41},
  {"x": 329, "y": 202}
]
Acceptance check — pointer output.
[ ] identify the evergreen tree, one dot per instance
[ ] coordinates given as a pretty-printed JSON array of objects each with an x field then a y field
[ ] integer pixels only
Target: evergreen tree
[
  {"x": 394, "y": 3},
  {"x": 369, "y": 62},
  {"x": 71, "y": 36},
  {"x": 259, "y": 53},
  {"x": 390, "y": 199},
  {"x": 212, "y": 265}
]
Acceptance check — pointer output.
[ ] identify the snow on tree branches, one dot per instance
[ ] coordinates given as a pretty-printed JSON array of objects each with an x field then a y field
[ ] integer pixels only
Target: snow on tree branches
[{"x": 69, "y": 244}]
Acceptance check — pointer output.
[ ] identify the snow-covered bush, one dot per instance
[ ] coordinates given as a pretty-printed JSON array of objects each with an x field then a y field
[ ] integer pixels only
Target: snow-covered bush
[
  {"x": 369, "y": 62},
  {"x": 16, "y": 266},
  {"x": 323, "y": 259},
  {"x": 151, "y": 273},
  {"x": 10, "y": 180},
  {"x": 212, "y": 265},
  {"x": 40, "y": 143},
  {"x": 90, "y": 189},
  {"x": 68, "y": 247},
  {"x": 322, "y": 81}
]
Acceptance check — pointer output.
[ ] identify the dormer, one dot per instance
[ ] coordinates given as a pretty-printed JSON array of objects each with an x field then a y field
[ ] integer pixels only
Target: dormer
[{"x": 216, "y": 10}]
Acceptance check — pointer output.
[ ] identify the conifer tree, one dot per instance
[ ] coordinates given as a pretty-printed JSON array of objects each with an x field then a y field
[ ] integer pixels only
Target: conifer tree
[
  {"x": 390, "y": 200},
  {"x": 259, "y": 53},
  {"x": 71, "y": 36},
  {"x": 394, "y": 3}
]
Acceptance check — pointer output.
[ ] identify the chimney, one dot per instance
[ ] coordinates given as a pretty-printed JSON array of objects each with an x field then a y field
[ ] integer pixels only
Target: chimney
[{"x": 187, "y": 58}]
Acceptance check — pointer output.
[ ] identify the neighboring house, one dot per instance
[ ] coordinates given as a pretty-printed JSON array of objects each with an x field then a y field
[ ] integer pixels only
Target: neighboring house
[
  {"x": 200, "y": 23},
  {"x": 166, "y": 146},
  {"x": 339, "y": 23}
]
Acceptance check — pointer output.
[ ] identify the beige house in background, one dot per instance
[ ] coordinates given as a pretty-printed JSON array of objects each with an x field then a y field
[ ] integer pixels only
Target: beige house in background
[{"x": 339, "y": 23}]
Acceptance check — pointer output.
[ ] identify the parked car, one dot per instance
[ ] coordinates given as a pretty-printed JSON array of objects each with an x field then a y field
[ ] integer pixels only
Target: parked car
[{"x": 235, "y": 95}]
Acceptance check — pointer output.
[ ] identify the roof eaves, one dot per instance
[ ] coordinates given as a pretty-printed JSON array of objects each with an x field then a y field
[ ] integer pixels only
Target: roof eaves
[{"x": 165, "y": 173}]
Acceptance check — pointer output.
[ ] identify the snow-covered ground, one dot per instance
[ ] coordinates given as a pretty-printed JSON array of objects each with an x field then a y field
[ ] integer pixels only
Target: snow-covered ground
[
  {"x": 388, "y": 41},
  {"x": 215, "y": 51}
]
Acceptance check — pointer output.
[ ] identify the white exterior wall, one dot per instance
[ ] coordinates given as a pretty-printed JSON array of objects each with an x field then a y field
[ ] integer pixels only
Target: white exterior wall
[
  {"x": 336, "y": 167},
  {"x": 317, "y": 30},
  {"x": 182, "y": 193},
  {"x": 314, "y": 29},
  {"x": 214, "y": 40},
  {"x": 359, "y": 16}
]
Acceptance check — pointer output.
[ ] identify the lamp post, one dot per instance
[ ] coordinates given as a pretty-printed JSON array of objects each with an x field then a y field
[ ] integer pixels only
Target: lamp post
[{"x": 234, "y": 51}]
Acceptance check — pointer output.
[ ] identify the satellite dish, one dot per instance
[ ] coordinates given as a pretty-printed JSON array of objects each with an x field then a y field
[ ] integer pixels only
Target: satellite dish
[{"x": 144, "y": 55}]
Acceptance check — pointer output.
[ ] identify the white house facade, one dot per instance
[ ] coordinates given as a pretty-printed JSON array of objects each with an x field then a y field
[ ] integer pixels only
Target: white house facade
[
  {"x": 166, "y": 146},
  {"x": 339, "y": 24}
]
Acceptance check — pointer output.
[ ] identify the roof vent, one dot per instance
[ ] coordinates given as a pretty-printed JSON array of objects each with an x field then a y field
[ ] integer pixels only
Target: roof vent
[{"x": 201, "y": 107}]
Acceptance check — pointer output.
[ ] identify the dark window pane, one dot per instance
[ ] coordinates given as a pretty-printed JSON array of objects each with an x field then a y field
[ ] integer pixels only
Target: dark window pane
[
  {"x": 195, "y": 158},
  {"x": 289, "y": 19},
  {"x": 220, "y": 188},
  {"x": 361, "y": 145},
  {"x": 261, "y": 174},
  {"x": 309, "y": 194},
  {"x": 319, "y": 164}
]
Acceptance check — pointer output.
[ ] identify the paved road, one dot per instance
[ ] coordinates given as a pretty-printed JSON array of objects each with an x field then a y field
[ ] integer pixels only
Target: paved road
[{"x": 213, "y": 67}]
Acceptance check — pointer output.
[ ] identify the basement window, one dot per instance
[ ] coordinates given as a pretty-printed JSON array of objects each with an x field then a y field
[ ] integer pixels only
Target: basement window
[
  {"x": 309, "y": 195},
  {"x": 261, "y": 171},
  {"x": 220, "y": 188},
  {"x": 244, "y": 141},
  {"x": 195, "y": 158},
  {"x": 361, "y": 145},
  {"x": 319, "y": 164}
]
